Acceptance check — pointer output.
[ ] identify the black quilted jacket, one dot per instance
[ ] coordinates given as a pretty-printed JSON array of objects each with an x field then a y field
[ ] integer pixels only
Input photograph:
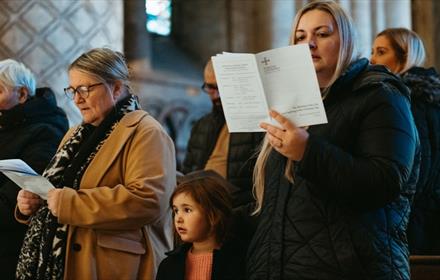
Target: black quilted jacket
[
  {"x": 424, "y": 223},
  {"x": 241, "y": 153},
  {"x": 346, "y": 214}
]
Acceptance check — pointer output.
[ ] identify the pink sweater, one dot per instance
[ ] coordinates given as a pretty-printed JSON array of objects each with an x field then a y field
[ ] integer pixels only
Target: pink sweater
[{"x": 198, "y": 266}]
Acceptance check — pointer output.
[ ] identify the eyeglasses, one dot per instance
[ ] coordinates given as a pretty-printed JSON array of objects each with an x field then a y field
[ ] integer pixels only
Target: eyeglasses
[
  {"x": 209, "y": 87},
  {"x": 83, "y": 91}
]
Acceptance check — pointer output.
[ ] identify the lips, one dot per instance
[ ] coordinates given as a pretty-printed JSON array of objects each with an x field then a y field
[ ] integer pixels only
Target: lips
[{"x": 181, "y": 230}]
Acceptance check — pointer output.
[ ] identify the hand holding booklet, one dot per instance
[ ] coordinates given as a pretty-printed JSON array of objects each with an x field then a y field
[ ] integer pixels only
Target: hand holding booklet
[
  {"x": 25, "y": 177},
  {"x": 282, "y": 79}
]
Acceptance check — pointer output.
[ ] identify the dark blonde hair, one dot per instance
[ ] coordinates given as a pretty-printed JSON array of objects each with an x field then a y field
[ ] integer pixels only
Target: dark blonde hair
[
  {"x": 407, "y": 45},
  {"x": 104, "y": 64},
  {"x": 212, "y": 193}
]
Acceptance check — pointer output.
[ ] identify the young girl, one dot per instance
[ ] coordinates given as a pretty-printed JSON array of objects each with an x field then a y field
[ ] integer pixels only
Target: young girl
[{"x": 202, "y": 211}]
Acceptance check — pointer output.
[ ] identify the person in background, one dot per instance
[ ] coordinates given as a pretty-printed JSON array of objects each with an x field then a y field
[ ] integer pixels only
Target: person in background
[
  {"x": 212, "y": 147},
  {"x": 333, "y": 199},
  {"x": 202, "y": 211},
  {"x": 231, "y": 155},
  {"x": 31, "y": 127},
  {"x": 402, "y": 52},
  {"x": 107, "y": 218}
]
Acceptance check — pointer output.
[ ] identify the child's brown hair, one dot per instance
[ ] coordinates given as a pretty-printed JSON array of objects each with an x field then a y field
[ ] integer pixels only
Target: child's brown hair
[{"x": 212, "y": 193}]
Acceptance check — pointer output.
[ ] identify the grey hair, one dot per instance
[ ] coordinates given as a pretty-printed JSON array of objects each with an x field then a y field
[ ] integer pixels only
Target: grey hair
[
  {"x": 348, "y": 53},
  {"x": 407, "y": 45},
  {"x": 16, "y": 74},
  {"x": 104, "y": 64}
]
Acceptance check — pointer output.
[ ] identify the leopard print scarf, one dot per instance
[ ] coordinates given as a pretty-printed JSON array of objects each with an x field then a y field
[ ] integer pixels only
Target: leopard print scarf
[{"x": 43, "y": 252}]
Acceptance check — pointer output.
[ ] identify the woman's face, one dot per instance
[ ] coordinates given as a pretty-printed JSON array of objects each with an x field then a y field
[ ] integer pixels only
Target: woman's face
[
  {"x": 384, "y": 54},
  {"x": 100, "y": 100},
  {"x": 9, "y": 97},
  {"x": 318, "y": 29}
]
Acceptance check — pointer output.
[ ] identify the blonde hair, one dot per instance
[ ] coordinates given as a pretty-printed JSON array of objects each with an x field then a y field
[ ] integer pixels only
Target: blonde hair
[
  {"x": 407, "y": 45},
  {"x": 348, "y": 53}
]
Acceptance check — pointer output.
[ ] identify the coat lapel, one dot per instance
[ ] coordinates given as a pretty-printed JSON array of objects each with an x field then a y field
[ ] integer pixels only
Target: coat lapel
[{"x": 111, "y": 148}]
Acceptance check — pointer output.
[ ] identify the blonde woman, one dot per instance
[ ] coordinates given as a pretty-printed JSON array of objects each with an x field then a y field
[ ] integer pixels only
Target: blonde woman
[
  {"x": 402, "y": 52},
  {"x": 333, "y": 200}
]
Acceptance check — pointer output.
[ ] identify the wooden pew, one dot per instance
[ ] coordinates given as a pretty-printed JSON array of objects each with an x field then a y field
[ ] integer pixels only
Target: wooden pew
[{"x": 425, "y": 267}]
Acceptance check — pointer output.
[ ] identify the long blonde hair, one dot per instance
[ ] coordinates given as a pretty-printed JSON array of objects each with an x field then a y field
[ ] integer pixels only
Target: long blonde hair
[{"x": 348, "y": 52}]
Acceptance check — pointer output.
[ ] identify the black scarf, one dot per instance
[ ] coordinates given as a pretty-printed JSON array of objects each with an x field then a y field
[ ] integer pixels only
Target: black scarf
[{"x": 43, "y": 252}]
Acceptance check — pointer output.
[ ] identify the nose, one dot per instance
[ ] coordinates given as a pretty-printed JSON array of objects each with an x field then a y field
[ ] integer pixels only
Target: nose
[
  {"x": 77, "y": 97},
  {"x": 312, "y": 44},
  {"x": 178, "y": 219}
]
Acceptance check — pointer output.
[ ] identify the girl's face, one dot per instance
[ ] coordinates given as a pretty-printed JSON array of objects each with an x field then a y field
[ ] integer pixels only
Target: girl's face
[
  {"x": 384, "y": 54},
  {"x": 318, "y": 29},
  {"x": 190, "y": 220}
]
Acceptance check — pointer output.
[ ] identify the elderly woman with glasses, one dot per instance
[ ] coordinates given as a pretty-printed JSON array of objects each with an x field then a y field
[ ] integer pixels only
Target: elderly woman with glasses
[
  {"x": 31, "y": 127},
  {"x": 107, "y": 218}
]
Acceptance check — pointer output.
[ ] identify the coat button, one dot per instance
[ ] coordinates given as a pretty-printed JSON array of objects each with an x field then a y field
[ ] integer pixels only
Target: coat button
[{"x": 76, "y": 247}]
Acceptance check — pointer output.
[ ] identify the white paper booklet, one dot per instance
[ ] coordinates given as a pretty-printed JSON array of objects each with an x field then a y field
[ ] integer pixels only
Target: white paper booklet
[
  {"x": 25, "y": 177},
  {"x": 283, "y": 79}
]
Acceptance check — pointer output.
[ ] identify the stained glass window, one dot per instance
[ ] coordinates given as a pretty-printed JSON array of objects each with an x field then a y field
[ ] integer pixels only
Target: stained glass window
[{"x": 158, "y": 16}]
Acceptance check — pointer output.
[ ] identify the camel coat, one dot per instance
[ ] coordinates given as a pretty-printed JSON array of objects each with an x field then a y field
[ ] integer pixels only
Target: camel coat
[{"x": 119, "y": 220}]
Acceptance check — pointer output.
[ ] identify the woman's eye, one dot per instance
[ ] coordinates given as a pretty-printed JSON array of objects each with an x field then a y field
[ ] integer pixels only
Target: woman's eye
[
  {"x": 322, "y": 34},
  {"x": 299, "y": 38}
]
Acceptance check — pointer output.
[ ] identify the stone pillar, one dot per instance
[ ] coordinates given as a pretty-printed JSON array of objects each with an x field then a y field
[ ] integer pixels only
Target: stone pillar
[
  {"x": 48, "y": 35},
  {"x": 373, "y": 16},
  {"x": 427, "y": 24},
  {"x": 283, "y": 14},
  {"x": 398, "y": 13},
  {"x": 361, "y": 14},
  {"x": 137, "y": 41}
]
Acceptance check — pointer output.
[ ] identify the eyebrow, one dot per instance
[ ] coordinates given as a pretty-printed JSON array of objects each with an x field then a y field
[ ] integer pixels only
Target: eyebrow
[
  {"x": 183, "y": 205},
  {"x": 317, "y": 28}
]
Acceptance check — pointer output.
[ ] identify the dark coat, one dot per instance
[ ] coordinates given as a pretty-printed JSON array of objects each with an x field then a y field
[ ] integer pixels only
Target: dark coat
[
  {"x": 241, "y": 153},
  {"x": 346, "y": 214},
  {"x": 31, "y": 132},
  {"x": 227, "y": 263},
  {"x": 424, "y": 225}
]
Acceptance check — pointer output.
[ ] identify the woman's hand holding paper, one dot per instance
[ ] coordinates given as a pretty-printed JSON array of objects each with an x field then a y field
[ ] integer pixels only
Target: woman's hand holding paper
[
  {"x": 289, "y": 140},
  {"x": 28, "y": 203}
]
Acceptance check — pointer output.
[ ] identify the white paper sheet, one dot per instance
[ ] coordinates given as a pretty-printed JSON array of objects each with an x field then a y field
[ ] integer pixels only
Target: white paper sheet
[
  {"x": 25, "y": 177},
  {"x": 282, "y": 79}
]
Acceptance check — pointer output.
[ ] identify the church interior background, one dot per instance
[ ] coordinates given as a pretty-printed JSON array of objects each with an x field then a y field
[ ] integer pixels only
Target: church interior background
[{"x": 167, "y": 48}]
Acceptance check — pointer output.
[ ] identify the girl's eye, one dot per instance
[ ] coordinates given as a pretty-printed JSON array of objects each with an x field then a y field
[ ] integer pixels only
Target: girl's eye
[{"x": 187, "y": 210}]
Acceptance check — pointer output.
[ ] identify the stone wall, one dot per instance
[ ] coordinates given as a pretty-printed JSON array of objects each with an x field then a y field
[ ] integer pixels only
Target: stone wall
[{"x": 48, "y": 35}]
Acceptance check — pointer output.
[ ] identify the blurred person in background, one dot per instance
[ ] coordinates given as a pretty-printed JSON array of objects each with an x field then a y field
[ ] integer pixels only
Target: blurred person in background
[
  {"x": 403, "y": 53},
  {"x": 31, "y": 127}
]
